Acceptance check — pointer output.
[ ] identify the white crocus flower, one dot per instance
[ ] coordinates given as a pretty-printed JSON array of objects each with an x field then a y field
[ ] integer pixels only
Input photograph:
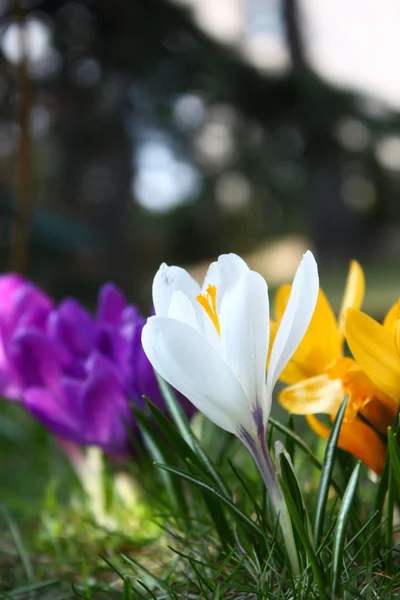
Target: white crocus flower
[{"x": 211, "y": 344}]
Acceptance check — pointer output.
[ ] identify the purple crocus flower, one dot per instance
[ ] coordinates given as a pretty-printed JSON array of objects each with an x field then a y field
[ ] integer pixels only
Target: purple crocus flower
[
  {"x": 76, "y": 373},
  {"x": 23, "y": 306}
]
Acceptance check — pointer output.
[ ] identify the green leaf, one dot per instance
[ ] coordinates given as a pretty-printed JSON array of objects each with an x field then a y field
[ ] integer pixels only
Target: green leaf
[
  {"x": 185, "y": 452},
  {"x": 148, "y": 590},
  {"x": 289, "y": 443},
  {"x": 174, "y": 438},
  {"x": 288, "y": 475},
  {"x": 175, "y": 410},
  {"x": 298, "y": 522},
  {"x": 29, "y": 589},
  {"x": 112, "y": 567},
  {"x": 393, "y": 484},
  {"x": 179, "y": 418},
  {"x": 394, "y": 454},
  {"x": 162, "y": 585},
  {"x": 341, "y": 525},
  {"x": 389, "y": 466},
  {"x": 127, "y": 589},
  {"x": 257, "y": 508},
  {"x": 382, "y": 487},
  {"x": 221, "y": 524},
  {"x": 245, "y": 520},
  {"x": 25, "y": 559},
  {"x": 303, "y": 446},
  {"x": 159, "y": 452},
  {"x": 326, "y": 473}
]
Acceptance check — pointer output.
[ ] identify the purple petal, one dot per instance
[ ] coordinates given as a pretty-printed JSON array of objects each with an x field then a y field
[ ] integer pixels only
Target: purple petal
[
  {"x": 9, "y": 284},
  {"x": 72, "y": 326},
  {"x": 111, "y": 304},
  {"x": 131, "y": 315},
  {"x": 44, "y": 407},
  {"x": 36, "y": 359},
  {"x": 31, "y": 307},
  {"x": 142, "y": 381},
  {"x": 96, "y": 363},
  {"x": 72, "y": 395},
  {"x": 106, "y": 412},
  {"x": 22, "y": 306},
  {"x": 75, "y": 368},
  {"x": 109, "y": 343},
  {"x": 10, "y": 386}
]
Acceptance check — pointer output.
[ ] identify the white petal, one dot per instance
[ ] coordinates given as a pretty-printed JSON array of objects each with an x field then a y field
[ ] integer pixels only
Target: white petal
[
  {"x": 224, "y": 273},
  {"x": 169, "y": 280},
  {"x": 181, "y": 309},
  {"x": 185, "y": 359},
  {"x": 296, "y": 318},
  {"x": 244, "y": 322}
]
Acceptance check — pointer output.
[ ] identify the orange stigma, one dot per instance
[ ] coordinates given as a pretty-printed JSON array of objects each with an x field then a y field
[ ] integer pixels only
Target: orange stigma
[{"x": 209, "y": 302}]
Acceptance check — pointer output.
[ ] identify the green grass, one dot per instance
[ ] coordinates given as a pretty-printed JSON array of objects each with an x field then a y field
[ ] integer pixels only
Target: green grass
[{"x": 200, "y": 524}]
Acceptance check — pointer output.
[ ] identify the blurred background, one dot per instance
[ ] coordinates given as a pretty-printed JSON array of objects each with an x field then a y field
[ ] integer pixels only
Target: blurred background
[{"x": 139, "y": 131}]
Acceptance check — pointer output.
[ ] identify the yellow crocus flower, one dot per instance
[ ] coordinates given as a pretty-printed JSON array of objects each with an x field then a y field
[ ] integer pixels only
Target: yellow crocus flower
[
  {"x": 376, "y": 348},
  {"x": 319, "y": 376}
]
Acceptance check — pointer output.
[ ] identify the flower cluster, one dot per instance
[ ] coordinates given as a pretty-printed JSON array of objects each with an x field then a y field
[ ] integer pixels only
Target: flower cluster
[
  {"x": 74, "y": 372},
  {"x": 320, "y": 375},
  {"x": 219, "y": 348},
  {"x": 215, "y": 344}
]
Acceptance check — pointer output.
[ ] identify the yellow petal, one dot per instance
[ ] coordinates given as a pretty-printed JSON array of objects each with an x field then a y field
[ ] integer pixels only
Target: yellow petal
[
  {"x": 320, "y": 428},
  {"x": 315, "y": 395},
  {"x": 374, "y": 349},
  {"x": 353, "y": 292},
  {"x": 340, "y": 368},
  {"x": 293, "y": 372},
  {"x": 360, "y": 387},
  {"x": 281, "y": 300},
  {"x": 397, "y": 337},
  {"x": 364, "y": 396},
  {"x": 321, "y": 343},
  {"x": 273, "y": 330},
  {"x": 392, "y": 317},
  {"x": 358, "y": 439}
]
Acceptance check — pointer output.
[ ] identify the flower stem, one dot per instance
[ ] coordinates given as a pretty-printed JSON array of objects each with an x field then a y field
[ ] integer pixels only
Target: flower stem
[{"x": 259, "y": 450}]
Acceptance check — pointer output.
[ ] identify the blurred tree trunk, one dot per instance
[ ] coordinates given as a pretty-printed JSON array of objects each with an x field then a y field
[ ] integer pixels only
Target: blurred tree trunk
[
  {"x": 337, "y": 232},
  {"x": 23, "y": 203}
]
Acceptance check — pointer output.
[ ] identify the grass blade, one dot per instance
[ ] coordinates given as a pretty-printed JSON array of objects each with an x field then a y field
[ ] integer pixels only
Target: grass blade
[
  {"x": 191, "y": 459},
  {"x": 162, "y": 585},
  {"x": 182, "y": 424},
  {"x": 19, "y": 544},
  {"x": 340, "y": 533},
  {"x": 300, "y": 443},
  {"x": 205, "y": 486},
  {"x": 300, "y": 527},
  {"x": 289, "y": 443},
  {"x": 286, "y": 471},
  {"x": 326, "y": 473},
  {"x": 158, "y": 452},
  {"x": 393, "y": 484},
  {"x": 388, "y": 466},
  {"x": 175, "y": 410},
  {"x": 394, "y": 456}
]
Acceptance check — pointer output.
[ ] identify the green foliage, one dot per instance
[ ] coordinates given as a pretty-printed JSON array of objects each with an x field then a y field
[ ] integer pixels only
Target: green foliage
[
  {"x": 334, "y": 557},
  {"x": 217, "y": 536},
  {"x": 341, "y": 529},
  {"x": 326, "y": 473}
]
